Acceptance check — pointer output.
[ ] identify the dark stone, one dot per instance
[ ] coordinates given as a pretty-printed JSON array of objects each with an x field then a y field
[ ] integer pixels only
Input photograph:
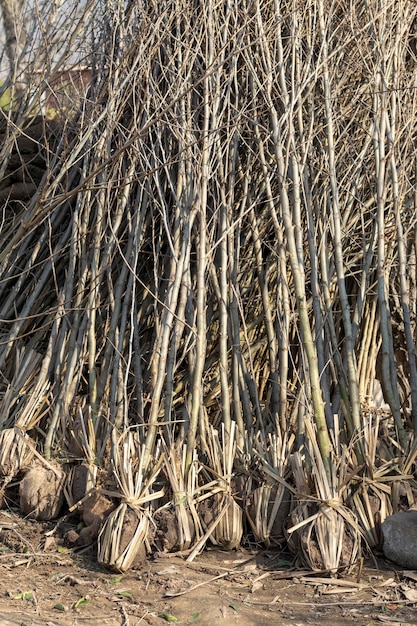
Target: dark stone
[{"x": 400, "y": 538}]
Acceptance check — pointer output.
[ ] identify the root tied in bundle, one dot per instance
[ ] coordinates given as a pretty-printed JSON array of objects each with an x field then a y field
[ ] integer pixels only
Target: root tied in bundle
[
  {"x": 124, "y": 539},
  {"x": 324, "y": 538},
  {"x": 222, "y": 513},
  {"x": 15, "y": 455},
  {"x": 267, "y": 510},
  {"x": 174, "y": 532}
]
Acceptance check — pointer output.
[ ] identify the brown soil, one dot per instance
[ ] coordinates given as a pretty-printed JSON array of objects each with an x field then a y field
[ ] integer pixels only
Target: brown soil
[
  {"x": 42, "y": 583},
  {"x": 93, "y": 512}
]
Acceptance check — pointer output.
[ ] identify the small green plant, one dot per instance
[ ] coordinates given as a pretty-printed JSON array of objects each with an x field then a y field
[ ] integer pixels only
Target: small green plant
[
  {"x": 170, "y": 618},
  {"x": 5, "y": 97},
  {"x": 25, "y": 595}
]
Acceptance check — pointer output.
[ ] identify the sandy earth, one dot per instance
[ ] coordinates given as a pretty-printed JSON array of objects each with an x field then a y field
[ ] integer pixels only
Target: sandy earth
[{"x": 44, "y": 584}]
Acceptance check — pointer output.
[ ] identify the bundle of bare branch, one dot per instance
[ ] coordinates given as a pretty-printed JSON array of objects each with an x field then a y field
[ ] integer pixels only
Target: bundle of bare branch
[
  {"x": 324, "y": 532},
  {"x": 124, "y": 536},
  {"x": 220, "y": 514},
  {"x": 177, "y": 522},
  {"x": 269, "y": 504},
  {"x": 221, "y": 248}
]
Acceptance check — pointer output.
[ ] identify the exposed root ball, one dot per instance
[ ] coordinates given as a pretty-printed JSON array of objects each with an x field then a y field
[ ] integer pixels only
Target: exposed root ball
[
  {"x": 15, "y": 455},
  {"x": 326, "y": 541},
  {"x": 41, "y": 491},
  {"x": 127, "y": 539},
  {"x": 124, "y": 539},
  {"x": 169, "y": 536},
  {"x": 228, "y": 528},
  {"x": 81, "y": 481},
  {"x": 268, "y": 526},
  {"x": 94, "y": 511}
]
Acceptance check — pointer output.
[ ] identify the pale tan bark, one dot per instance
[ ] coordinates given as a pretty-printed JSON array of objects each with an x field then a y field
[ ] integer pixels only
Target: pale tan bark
[{"x": 13, "y": 23}]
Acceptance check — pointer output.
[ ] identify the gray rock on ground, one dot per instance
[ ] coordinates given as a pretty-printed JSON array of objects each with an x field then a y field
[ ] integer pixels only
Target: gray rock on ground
[{"x": 400, "y": 538}]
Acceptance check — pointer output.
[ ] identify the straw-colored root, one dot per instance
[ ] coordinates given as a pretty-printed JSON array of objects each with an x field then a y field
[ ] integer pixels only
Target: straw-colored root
[
  {"x": 124, "y": 539},
  {"x": 222, "y": 511},
  {"x": 15, "y": 455},
  {"x": 267, "y": 520},
  {"x": 323, "y": 541},
  {"x": 170, "y": 536}
]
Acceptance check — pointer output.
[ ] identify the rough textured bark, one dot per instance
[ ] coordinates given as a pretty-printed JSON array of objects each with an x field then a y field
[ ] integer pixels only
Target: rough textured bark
[{"x": 14, "y": 30}]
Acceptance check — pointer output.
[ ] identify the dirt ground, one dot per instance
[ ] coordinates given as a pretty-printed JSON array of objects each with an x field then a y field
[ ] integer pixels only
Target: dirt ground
[{"x": 43, "y": 583}]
